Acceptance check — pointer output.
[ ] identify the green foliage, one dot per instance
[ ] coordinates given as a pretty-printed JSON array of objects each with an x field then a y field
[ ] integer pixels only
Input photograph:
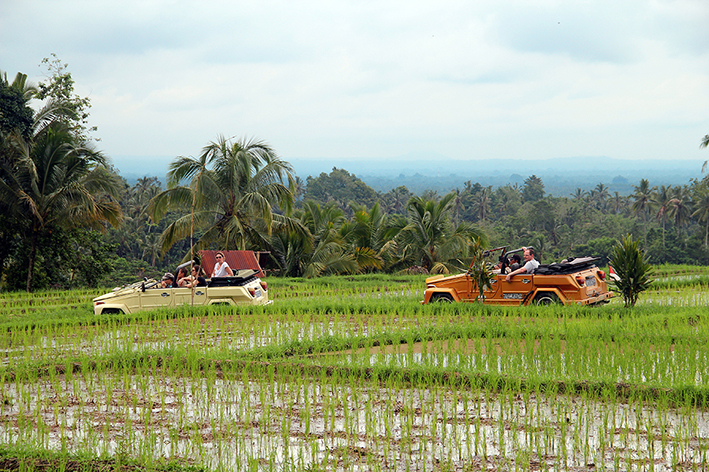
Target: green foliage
[
  {"x": 52, "y": 181},
  {"x": 230, "y": 194},
  {"x": 481, "y": 268},
  {"x": 533, "y": 189},
  {"x": 16, "y": 115},
  {"x": 599, "y": 247},
  {"x": 65, "y": 258},
  {"x": 632, "y": 268},
  {"x": 429, "y": 238},
  {"x": 59, "y": 88},
  {"x": 341, "y": 187}
]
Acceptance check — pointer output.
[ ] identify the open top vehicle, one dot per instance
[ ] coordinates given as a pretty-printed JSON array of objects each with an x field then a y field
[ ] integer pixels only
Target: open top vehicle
[
  {"x": 573, "y": 281},
  {"x": 244, "y": 288}
]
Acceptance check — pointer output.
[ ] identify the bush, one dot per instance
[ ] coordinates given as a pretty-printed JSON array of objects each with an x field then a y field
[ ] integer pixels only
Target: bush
[{"x": 632, "y": 268}]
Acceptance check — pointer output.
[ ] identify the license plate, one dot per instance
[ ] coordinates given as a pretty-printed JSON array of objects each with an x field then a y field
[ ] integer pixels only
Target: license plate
[
  {"x": 590, "y": 282},
  {"x": 257, "y": 293}
]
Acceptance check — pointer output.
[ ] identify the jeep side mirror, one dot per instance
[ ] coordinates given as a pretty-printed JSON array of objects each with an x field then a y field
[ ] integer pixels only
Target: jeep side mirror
[{"x": 142, "y": 287}]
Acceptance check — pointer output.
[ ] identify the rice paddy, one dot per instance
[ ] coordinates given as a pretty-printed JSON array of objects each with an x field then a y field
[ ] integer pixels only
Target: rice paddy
[{"x": 355, "y": 374}]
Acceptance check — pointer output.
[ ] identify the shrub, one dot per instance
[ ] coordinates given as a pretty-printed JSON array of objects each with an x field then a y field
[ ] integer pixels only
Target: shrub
[{"x": 632, "y": 268}]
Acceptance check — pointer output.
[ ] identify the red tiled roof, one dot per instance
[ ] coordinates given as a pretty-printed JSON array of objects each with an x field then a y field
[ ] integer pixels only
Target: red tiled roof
[{"x": 236, "y": 259}]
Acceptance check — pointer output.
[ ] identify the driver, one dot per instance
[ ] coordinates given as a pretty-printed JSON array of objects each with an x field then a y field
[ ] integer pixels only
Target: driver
[{"x": 530, "y": 264}]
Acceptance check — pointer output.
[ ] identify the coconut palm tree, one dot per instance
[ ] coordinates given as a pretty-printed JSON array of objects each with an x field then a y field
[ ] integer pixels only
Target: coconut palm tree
[
  {"x": 702, "y": 211},
  {"x": 229, "y": 192},
  {"x": 55, "y": 181},
  {"x": 680, "y": 209},
  {"x": 429, "y": 239},
  {"x": 481, "y": 203},
  {"x": 371, "y": 236},
  {"x": 330, "y": 253},
  {"x": 601, "y": 194},
  {"x": 579, "y": 194},
  {"x": 644, "y": 200},
  {"x": 663, "y": 196},
  {"x": 618, "y": 202}
]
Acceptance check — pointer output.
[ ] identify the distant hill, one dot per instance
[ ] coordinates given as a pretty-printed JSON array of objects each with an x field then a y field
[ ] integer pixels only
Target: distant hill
[
  {"x": 561, "y": 176},
  {"x": 419, "y": 172}
]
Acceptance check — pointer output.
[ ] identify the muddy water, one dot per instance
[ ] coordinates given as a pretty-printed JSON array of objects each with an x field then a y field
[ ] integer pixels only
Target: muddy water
[{"x": 342, "y": 425}]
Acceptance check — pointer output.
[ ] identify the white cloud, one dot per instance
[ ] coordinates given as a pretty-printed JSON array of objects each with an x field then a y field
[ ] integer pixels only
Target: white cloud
[{"x": 376, "y": 79}]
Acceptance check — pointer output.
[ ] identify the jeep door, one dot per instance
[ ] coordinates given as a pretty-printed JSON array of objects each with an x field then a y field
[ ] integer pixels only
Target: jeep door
[
  {"x": 183, "y": 296},
  {"x": 514, "y": 291},
  {"x": 154, "y": 298}
]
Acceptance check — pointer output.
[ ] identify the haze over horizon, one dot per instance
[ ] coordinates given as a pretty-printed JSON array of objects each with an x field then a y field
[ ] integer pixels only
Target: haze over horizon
[{"x": 374, "y": 81}]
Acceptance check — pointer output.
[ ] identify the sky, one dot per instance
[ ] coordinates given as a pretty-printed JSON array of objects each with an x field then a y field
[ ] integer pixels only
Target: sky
[{"x": 378, "y": 80}]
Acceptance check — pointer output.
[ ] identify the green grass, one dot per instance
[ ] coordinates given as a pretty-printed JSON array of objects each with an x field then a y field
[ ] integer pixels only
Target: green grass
[{"x": 363, "y": 346}]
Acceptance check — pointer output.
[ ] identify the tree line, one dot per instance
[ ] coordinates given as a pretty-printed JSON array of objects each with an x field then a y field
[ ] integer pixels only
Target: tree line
[{"x": 69, "y": 219}]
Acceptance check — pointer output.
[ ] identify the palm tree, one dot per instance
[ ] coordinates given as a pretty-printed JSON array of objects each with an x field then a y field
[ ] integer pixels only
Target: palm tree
[
  {"x": 579, "y": 194},
  {"x": 233, "y": 187},
  {"x": 618, "y": 202},
  {"x": 680, "y": 210},
  {"x": 329, "y": 247},
  {"x": 429, "y": 240},
  {"x": 55, "y": 181},
  {"x": 458, "y": 206},
  {"x": 702, "y": 211},
  {"x": 481, "y": 202},
  {"x": 372, "y": 237},
  {"x": 601, "y": 194},
  {"x": 703, "y": 144},
  {"x": 663, "y": 198},
  {"x": 644, "y": 200}
]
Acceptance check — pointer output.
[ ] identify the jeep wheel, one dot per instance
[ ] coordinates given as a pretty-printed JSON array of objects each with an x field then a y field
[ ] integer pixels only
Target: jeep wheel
[
  {"x": 112, "y": 311},
  {"x": 441, "y": 298},
  {"x": 546, "y": 298}
]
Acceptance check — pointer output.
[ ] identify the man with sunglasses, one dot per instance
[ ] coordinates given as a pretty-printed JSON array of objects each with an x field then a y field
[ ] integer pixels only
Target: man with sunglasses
[{"x": 221, "y": 268}]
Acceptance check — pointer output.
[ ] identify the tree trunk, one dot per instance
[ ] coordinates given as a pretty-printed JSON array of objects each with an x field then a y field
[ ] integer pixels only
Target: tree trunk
[{"x": 33, "y": 255}]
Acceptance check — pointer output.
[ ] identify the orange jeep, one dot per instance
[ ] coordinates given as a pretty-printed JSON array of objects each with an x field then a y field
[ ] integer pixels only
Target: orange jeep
[{"x": 571, "y": 281}]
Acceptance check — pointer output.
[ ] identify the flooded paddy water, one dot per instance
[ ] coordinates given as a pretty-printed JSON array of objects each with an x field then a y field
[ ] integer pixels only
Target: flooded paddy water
[
  {"x": 270, "y": 390},
  {"x": 336, "y": 423}
]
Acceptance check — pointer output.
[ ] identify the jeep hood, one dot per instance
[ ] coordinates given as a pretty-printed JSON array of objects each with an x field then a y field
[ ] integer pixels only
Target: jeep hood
[{"x": 440, "y": 278}]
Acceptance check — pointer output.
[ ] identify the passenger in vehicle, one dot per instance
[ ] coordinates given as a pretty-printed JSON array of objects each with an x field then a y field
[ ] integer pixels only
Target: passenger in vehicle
[
  {"x": 530, "y": 264},
  {"x": 515, "y": 261},
  {"x": 195, "y": 279},
  {"x": 168, "y": 280},
  {"x": 221, "y": 268},
  {"x": 182, "y": 278},
  {"x": 502, "y": 266}
]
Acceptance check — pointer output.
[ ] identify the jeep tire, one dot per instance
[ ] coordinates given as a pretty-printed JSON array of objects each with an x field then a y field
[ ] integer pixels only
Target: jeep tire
[
  {"x": 546, "y": 298},
  {"x": 441, "y": 298}
]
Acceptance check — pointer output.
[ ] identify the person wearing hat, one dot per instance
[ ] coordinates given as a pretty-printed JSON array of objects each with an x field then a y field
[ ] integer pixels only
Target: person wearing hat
[
  {"x": 167, "y": 280},
  {"x": 515, "y": 262}
]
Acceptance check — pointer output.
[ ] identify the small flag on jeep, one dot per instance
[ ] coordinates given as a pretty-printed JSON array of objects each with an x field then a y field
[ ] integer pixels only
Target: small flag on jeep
[{"x": 612, "y": 273}]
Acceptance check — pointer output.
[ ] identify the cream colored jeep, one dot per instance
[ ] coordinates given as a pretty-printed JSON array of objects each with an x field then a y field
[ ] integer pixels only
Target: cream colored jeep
[{"x": 244, "y": 288}]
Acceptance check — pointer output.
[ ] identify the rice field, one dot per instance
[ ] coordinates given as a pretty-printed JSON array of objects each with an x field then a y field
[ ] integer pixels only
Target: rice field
[{"x": 354, "y": 374}]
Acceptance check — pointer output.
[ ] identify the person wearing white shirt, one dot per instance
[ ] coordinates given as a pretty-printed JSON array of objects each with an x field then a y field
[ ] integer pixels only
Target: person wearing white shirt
[
  {"x": 221, "y": 268},
  {"x": 530, "y": 264}
]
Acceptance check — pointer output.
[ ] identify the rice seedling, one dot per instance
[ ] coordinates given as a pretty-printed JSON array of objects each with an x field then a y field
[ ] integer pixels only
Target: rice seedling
[{"x": 348, "y": 380}]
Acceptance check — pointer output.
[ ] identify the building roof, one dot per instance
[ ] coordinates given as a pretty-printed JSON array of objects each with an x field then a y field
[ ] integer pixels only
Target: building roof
[{"x": 237, "y": 260}]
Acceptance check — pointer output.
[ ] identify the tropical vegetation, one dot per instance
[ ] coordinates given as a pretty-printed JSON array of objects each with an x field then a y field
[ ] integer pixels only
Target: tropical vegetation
[
  {"x": 632, "y": 269},
  {"x": 68, "y": 219}
]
